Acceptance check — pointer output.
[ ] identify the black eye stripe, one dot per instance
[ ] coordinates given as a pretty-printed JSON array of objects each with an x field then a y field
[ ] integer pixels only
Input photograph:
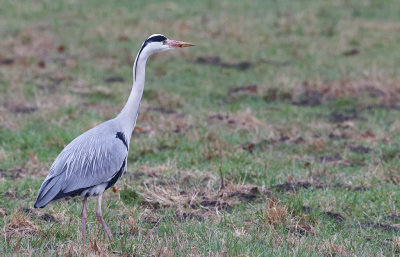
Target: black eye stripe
[{"x": 158, "y": 38}]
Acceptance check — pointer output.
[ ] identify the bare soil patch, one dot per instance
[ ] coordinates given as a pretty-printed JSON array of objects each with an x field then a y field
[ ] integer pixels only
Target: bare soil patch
[
  {"x": 251, "y": 89},
  {"x": 295, "y": 186},
  {"x": 45, "y": 216},
  {"x": 14, "y": 173},
  {"x": 242, "y": 120},
  {"x": 360, "y": 149},
  {"x": 382, "y": 226},
  {"x": 114, "y": 79},
  {"x": 338, "y": 218},
  {"x": 18, "y": 107},
  {"x": 373, "y": 92},
  {"x": 241, "y": 65},
  {"x": 217, "y": 61},
  {"x": 340, "y": 116},
  {"x": 392, "y": 217}
]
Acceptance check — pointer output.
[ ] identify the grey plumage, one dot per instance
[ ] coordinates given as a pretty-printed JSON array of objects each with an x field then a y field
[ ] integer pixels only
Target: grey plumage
[{"x": 91, "y": 159}]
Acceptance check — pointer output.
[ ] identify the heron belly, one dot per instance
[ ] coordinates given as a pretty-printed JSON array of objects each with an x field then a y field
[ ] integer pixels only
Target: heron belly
[{"x": 96, "y": 190}]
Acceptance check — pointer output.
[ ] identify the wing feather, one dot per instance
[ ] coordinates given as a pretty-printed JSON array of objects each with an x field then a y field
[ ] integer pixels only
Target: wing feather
[{"x": 91, "y": 159}]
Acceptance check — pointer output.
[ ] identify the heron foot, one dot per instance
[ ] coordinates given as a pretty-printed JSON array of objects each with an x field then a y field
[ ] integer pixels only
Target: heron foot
[{"x": 100, "y": 218}]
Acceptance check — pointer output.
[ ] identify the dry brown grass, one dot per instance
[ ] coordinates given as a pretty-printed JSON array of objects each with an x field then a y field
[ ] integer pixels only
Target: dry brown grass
[
  {"x": 160, "y": 119},
  {"x": 375, "y": 24},
  {"x": 20, "y": 226},
  {"x": 32, "y": 167},
  {"x": 350, "y": 28},
  {"x": 168, "y": 100},
  {"x": 396, "y": 243},
  {"x": 32, "y": 42},
  {"x": 296, "y": 243},
  {"x": 385, "y": 89},
  {"x": 378, "y": 174},
  {"x": 132, "y": 225},
  {"x": 332, "y": 248},
  {"x": 327, "y": 248},
  {"x": 198, "y": 201},
  {"x": 97, "y": 248},
  {"x": 215, "y": 147},
  {"x": 3, "y": 154},
  {"x": 242, "y": 120},
  {"x": 275, "y": 213},
  {"x": 70, "y": 249},
  {"x": 157, "y": 170},
  {"x": 6, "y": 121},
  {"x": 374, "y": 89},
  {"x": 2, "y": 212},
  {"x": 288, "y": 21}
]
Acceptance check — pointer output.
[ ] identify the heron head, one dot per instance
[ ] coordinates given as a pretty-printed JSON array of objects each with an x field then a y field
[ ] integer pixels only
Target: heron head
[{"x": 160, "y": 43}]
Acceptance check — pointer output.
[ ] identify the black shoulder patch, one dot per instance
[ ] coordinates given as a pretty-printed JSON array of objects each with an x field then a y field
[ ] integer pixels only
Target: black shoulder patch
[
  {"x": 120, "y": 135},
  {"x": 116, "y": 176}
]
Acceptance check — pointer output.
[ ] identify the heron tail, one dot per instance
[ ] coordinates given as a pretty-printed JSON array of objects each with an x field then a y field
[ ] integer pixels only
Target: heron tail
[{"x": 47, "y": 192}]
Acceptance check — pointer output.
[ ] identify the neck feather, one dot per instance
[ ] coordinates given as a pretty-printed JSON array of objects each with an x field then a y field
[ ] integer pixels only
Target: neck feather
[{"x": 128, "y": 114}]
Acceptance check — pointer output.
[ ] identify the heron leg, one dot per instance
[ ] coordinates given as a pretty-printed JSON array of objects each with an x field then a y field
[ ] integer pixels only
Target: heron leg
[
  {"x": 84, "y": 218},
  {"x": 100, "y": 216}
]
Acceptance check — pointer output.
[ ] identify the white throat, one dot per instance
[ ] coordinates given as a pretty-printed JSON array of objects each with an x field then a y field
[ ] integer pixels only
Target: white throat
[{"x": 128, "y": 114}]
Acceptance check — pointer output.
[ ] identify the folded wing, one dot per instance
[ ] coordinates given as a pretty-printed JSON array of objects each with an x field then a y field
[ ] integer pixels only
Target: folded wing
[{"x": 96, "y": 157}]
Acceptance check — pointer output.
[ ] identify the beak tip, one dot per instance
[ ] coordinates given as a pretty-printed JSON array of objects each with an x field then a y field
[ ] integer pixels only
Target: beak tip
[{"x": 187, "y": 44}]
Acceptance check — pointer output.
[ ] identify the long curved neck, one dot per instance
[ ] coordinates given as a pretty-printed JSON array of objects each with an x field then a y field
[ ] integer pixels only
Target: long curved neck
[{"x": 130, "y": 111}]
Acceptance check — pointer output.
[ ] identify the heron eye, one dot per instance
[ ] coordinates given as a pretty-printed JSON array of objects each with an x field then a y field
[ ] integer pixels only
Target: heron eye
[{"x": 164, "y": 42}]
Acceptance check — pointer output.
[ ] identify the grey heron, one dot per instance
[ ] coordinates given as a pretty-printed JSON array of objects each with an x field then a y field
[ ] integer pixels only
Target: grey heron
[{"x": 96, "y": 160}]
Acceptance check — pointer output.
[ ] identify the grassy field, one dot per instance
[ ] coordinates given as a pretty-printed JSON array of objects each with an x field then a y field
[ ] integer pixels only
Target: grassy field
[{"x": 278, "y": 135}]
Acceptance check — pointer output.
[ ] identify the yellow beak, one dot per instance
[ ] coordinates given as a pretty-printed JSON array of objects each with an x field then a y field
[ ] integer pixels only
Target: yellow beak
[{"x": 174, "y": 43}]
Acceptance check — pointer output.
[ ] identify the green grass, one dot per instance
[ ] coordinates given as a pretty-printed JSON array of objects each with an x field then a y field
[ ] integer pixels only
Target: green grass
[{"x": 306, "y": 164}]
